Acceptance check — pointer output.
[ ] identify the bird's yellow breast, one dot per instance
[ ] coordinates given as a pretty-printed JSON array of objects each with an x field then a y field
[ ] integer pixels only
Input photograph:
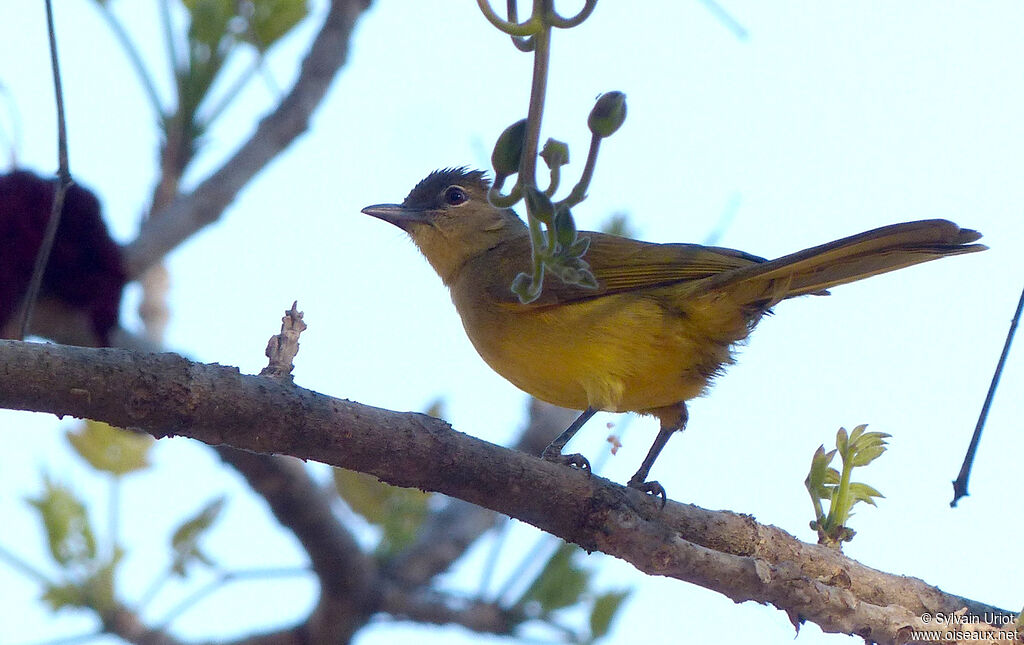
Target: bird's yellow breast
[{"x": 635, "y": 351}]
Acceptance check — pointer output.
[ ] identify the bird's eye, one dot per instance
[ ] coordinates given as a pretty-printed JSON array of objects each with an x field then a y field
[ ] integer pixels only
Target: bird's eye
[{"x": 455, "y": 195}]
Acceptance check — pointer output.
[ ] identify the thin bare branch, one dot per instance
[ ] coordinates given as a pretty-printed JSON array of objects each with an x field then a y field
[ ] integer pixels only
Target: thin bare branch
[
  {"x": 436, "y": 608},
  {"x": 188, "y": 213},
  {"x": 134, "y": 57},
  {"x": 63, "y": 183},
  {"x": 960, "y": 483}
]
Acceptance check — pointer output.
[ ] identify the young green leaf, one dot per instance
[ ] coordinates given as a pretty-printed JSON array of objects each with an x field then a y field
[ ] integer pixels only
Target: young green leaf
[
  {"x": 560, "y": 583},
  {"x": 603, "y": 612},
  {"x": 399, "y": 512},
  {"x": 111, "y": 449},
  {"x": 866, "y": 447},
  {"x": 65, "y": 595},
  {"x": 817, "y": 477},
  {"x": 272, "y": 19},
  {"x": 68, "y": 530},
  {"x": 185, "y": 540},
  {"x": 864, "y": 493},
  {"x": 857, "y": 448},
  {"x": 209, "y": 20}
]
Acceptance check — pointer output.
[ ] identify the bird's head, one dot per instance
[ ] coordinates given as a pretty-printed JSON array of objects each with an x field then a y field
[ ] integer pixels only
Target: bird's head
[{"x": 449, "y": 218}]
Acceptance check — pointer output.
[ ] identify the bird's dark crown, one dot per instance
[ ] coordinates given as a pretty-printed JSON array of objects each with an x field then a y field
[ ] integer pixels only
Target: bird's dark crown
[{"x": 427, "y": 194}]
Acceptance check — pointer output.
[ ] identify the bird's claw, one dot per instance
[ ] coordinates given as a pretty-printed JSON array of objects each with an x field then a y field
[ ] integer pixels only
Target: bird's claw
[
  {"x": 574, "y": 460},
  {"x": 650, "y": 488}
]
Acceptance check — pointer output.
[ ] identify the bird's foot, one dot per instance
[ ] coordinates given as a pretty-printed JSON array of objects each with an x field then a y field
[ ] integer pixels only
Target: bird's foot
[
  {"x": 574, "y": 460},
  {"x": 651, "y": 488}
]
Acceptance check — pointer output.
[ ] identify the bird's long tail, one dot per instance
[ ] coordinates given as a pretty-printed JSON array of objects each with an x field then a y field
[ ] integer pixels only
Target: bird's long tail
[{"x": 881, "y": 250}]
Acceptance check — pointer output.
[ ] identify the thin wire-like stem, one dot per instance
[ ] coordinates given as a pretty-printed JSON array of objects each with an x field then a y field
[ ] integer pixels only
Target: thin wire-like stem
[
  {"x": 522, "y": 44},
  {"x": 726, "y": 18},
  {"x": 114, "y": 514},
  {"x": 555, "y": 20},
  {"x": 169, "y": 41},
  {"x": 538, "y": 90},
  {"x": 24, "y": 567},
  {"x": 554, "y": 179},
  {"x": 63, "y": 183},
  {"x": 960, "y": 483},
  {"x": 154, "y": 588},
  {"x": 528, "y": 163},
  {"x": 493, "y": 556},
  {"x": 224, "y": 579},
  {"x": 544, "y": 543},
  {"x": 233, "y": 92},
  {"x": 268, "y": 79},
  {"x": 579, "y": 191},
  {"x": 526, "y": 28},
  {"x": 505, "y": 201},
  {"x": 133, "y": 55},
  {"x": 70, "y": 640}
]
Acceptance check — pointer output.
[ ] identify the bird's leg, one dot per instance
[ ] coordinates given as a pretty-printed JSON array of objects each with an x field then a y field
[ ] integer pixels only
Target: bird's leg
[
  {"x": 554, "y": 450},
  {"x": 672, "y": 419}
]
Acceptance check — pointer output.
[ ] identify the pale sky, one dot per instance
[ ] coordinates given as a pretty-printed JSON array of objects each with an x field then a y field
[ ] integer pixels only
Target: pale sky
[{"x": 830, "y": 119}]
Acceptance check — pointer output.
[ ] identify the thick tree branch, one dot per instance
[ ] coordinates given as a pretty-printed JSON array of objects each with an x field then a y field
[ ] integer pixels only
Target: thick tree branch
[
  {"x": 167, "y": 395},
  {"x": 448, "y": 532},
  {"x": 188, "y": 213}
]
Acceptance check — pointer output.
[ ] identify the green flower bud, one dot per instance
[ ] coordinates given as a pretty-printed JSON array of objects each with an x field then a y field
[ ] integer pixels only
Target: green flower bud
[
  {"x": 539, "y": 205},
  {"x": 565, "y": 228},
  {"x": 608, "y": 114},
  {"x": 509, "y": 149},
  {"x": 555, "y": 153}
]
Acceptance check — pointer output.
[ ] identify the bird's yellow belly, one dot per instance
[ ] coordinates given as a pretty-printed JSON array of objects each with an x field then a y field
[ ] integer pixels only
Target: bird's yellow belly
[{"x": 620, "y": 353}]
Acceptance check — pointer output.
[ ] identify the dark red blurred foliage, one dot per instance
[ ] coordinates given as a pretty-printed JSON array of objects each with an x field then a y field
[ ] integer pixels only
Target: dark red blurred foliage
[{"x": 85, "y": 269}]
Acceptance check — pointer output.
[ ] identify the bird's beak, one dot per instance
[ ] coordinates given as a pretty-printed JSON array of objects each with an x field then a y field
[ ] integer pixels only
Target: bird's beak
[{"x": 396, "y": 214}]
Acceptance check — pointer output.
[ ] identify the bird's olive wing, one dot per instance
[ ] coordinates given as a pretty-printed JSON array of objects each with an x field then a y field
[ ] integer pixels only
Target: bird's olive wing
[{"x": 620, "y": 265}]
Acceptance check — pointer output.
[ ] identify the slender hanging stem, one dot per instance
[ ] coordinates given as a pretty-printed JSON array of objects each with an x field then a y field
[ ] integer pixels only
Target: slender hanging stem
[
  {"x": 579, "y": 191},
  {"x": 527, "y": 28},
  {"x": 24, "y": 567},
  {"x": 133, "y": 55},
  {"x": 555, "y": 20},
  {"x": 63, "y": 183},
  {"x": 522, "y": 44},
  {"x": 528, "y": 165},
  {"x": 172, "y": 48}
]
